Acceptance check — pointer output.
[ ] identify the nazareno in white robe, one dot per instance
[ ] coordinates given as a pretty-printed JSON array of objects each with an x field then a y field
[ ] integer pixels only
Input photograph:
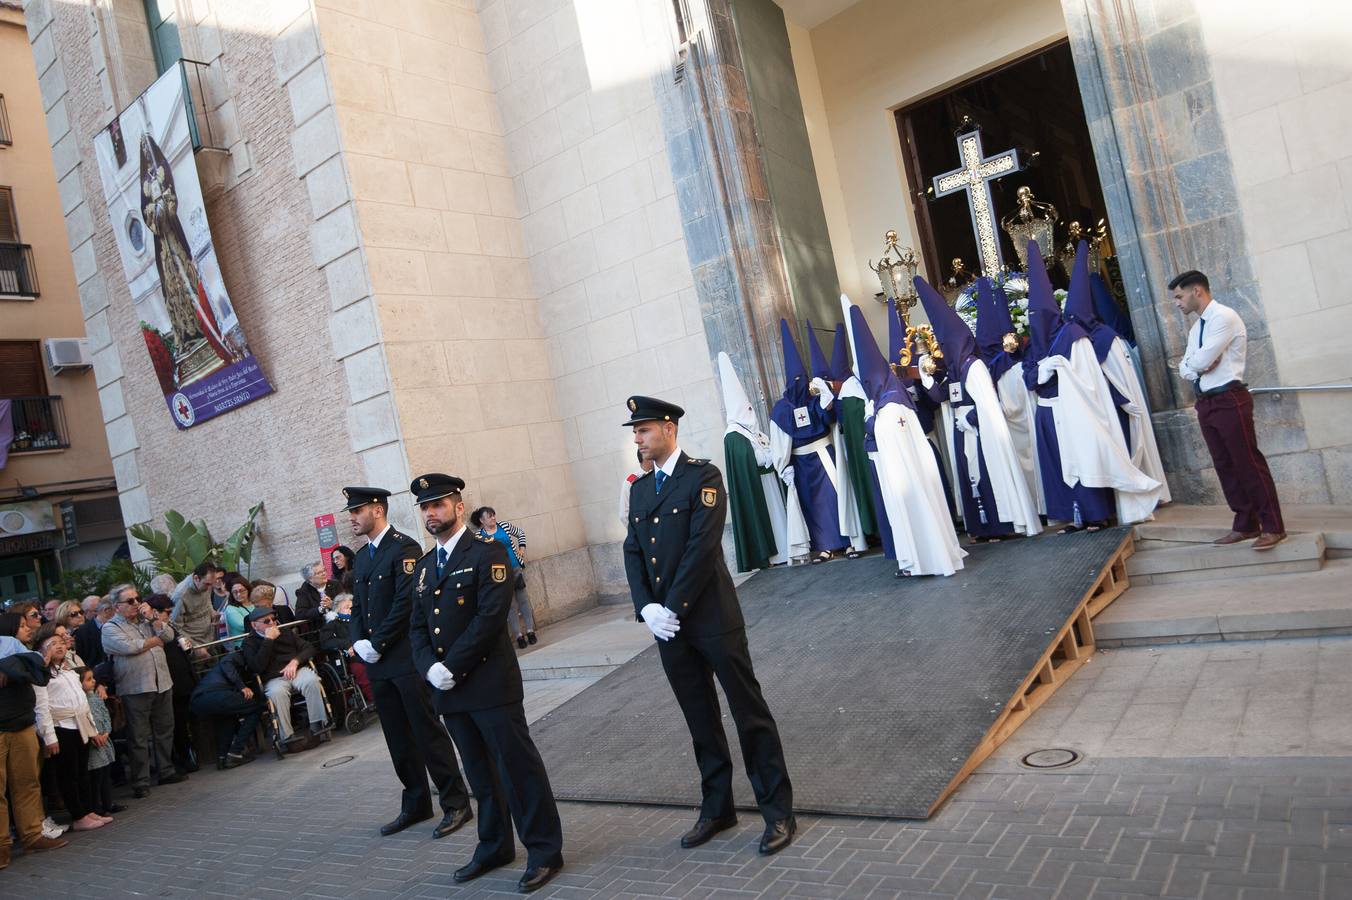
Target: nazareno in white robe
[
  {"x": 1013, "y": 501},
  {"x": 1120, "y": 369},
  {"x": 1018, "y": 404},
  {"x": 913, "y": 495},
  {"x": 1092, "y": 450}
]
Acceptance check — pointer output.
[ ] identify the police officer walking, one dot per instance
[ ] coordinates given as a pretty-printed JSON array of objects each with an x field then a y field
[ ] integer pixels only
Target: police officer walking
[
  {"x": 382, "y": 591},
  {"x": 461, "y": 596},
  {"x": 673, "y": 557}
]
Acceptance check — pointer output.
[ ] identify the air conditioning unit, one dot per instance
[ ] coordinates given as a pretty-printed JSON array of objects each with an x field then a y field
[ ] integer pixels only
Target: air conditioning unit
[{"x": 67, "y": 353}]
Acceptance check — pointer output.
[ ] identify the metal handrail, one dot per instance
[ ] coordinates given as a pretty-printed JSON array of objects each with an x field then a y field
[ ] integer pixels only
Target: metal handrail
[{"x": 1302, "y": 389}]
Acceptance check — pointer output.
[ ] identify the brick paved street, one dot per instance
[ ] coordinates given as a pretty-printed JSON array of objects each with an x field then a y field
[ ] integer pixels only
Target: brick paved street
[{"x": 1246, "y": 825}]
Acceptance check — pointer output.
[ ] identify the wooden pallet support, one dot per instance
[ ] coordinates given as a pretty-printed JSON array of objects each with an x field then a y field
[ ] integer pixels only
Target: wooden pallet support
[{"x": 1070, "y": 648}]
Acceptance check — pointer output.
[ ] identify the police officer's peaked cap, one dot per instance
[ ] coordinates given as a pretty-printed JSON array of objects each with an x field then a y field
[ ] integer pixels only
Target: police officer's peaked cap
[
  {"x": 650, "y": 409},
  {"x": 434, "y": 486},
  {"x": 360, "y": 496}
]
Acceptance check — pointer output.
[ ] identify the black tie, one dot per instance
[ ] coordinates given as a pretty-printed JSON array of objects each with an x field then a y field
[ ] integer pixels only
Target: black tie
[
  {"x": 372, "y": 549},
  {"x": 1201, "y": 329}
]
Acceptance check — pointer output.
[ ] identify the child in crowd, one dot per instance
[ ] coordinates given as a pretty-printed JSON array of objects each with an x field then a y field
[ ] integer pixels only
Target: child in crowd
[
  {"x": 101, "y": 752},
  {"x": 336, "y": 638}
]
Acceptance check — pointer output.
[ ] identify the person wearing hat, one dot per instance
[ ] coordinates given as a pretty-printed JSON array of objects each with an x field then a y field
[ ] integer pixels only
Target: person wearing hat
[
  {"x": 461, "y": 597},
  {"x": 279, "y": 658},
  {"x": 673, "y": 557},
  {"x": 382, "y": 590}
]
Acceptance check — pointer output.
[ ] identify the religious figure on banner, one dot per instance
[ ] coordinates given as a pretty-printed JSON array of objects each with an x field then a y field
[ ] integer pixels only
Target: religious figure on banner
[{"x": 185, "y": 299}]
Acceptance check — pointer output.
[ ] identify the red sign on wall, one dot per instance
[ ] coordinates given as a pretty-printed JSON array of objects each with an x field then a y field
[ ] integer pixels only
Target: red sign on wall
[{"x": 327, "y": 530}]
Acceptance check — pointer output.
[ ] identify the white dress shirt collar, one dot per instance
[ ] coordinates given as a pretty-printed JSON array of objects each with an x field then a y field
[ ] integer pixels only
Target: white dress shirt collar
[
  {"x": 669, "y": 467},
  {"x": 451, "y": 542},
  {"x": 375, "y": 541}
]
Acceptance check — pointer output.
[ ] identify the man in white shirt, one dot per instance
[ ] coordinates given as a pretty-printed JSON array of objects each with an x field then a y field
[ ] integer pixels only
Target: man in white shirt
[{"x": 1214, "y": 363}]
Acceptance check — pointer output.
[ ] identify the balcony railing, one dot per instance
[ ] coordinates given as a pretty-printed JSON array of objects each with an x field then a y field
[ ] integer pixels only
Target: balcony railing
[
  {"x": 18, "y": 272},
  {"x": 39, "y": 424}
]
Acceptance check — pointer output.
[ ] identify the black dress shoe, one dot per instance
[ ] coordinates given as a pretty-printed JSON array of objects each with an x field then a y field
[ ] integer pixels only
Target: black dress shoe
[
  {"x": 452, "y": 821},
  {"x": 140, "y": 793},
  {"x": 478, "y": 867},
  {"x": 404, "y": 821},
  {"x": 175, "y": 778},
  {"x": 114, "y": 809},
  {"x": 530, "y": 637},
  {"x": 521, "y": 642},
  {"x": 705, "y": 829},
  {"x": 778, "y": 836},
  {"x": 534, "y": 879}
]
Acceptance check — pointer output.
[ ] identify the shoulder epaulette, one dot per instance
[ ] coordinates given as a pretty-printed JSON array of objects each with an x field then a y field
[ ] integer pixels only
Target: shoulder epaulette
[
  {"x": 643, "y": 475},
  {"x": 696, "y": 462}
]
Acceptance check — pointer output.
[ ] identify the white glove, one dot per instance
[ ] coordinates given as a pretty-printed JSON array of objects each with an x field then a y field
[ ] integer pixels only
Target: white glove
[
  {"x": 364, "y": 649},
  {"x": 440, "y": 677},
  {"x": 661, "y": 621},
  {"x": 825, "y": 396},
  {"x": 787, "y": 476}
]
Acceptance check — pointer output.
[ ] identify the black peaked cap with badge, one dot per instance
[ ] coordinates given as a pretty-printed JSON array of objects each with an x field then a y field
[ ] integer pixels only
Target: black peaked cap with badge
[
  {"x": 434, "y": 486},
  {"x": 650, "y": 409},
  {"x": 459, "y": 617},
  {"x": 381, "y": 586},
  {"x": 360, "y": 496}
]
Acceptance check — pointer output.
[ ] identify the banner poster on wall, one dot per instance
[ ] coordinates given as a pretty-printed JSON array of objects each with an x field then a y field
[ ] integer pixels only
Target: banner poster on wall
[
  {"x": 192, "y": 335},
  {"x": 326, "y": 529}
]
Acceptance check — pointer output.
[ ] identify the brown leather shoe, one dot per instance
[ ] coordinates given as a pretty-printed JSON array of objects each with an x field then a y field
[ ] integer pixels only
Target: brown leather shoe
[
  {"x": 42, "y": 842},
  {"x": 1235, "y": 537},
  {"x": 1268, "y": 541}
]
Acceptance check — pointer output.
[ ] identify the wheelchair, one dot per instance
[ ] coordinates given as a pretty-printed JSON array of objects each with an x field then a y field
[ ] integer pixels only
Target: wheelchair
[
  {"x": 349, "y": 705},
  {"x": 299, "y": 714}
]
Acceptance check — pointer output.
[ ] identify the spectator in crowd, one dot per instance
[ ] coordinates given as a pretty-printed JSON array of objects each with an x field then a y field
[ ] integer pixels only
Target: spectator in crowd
[
  {"x": 311, "y": 603},
  {"x": 163, "y": 583},
  {"x": 135, "y": 639},
  {"x": 219, "y": 594},
  {"x": 644, "y": 467},
  {"x": 237, "y": 608},
  {"x": 278, "y": 657},
  {"x": 335, "y": 637},
  {"x": 101, "y": 752},
  {"x": 343, "y": 560},
  {"x": 227, "y": 697},
  {"x": 20, "y": 796},
  {"x": 70, "y": 616},
  {"x": 89, "y": 604},
  {"x": 49, "y": 609},
  {"x": 194, "y": 614},
  {"x": 89, "y": 636},
  {"x": 72, "y": 728},
  {"x": 180, "y": 672},
  {"x": 264, "y": 596},
  {"x": 485, "y": 518}
]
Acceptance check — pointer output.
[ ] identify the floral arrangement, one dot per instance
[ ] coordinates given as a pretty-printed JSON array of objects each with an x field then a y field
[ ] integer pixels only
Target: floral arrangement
[{"x": 1015, "y": 286}]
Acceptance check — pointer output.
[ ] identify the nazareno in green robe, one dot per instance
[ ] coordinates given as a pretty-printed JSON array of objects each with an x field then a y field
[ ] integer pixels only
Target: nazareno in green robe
[
  {"x": 751, "y": 529},
  {"x": 851, "y": 413}
]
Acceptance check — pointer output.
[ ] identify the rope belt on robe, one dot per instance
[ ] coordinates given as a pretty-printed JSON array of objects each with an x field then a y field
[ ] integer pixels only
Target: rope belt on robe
[{"x": 819, "y": 448}]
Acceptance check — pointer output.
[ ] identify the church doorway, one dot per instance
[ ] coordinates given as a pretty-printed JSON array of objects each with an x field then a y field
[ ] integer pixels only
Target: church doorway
[{"x": 1031, "y": 104}]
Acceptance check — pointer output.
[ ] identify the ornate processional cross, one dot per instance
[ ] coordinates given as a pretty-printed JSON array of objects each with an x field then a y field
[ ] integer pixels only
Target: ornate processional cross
[{"x": 975, "y": 177}]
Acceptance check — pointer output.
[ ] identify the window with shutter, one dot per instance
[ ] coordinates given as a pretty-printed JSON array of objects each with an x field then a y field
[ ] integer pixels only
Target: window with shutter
[
  {"x": 21, "y": 371},
  {"x": 9, "y": 222}
]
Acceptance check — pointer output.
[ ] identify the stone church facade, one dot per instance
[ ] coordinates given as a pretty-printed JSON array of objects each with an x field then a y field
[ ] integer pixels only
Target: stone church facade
[{"x": 462, "y": 233}]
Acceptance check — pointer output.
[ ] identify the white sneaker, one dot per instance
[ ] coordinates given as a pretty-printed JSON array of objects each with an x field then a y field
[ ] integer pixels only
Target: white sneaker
[{"x": 52, "y": 830}]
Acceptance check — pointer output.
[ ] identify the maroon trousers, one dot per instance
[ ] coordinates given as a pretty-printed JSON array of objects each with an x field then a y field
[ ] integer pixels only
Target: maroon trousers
[{"x": 1227, "y": 425}]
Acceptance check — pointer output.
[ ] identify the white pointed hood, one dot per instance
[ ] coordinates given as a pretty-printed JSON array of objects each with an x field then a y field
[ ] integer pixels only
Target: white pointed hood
[{"x": 741, "y": 415}]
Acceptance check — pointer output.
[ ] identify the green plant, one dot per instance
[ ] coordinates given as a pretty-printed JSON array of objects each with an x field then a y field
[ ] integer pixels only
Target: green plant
[
  {"x": 179, "y": 549},
  {"x": 76, "y": 584}
]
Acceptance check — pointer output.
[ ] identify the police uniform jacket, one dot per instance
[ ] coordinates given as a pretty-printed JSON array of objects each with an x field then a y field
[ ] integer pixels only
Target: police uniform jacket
[
  {"x": 460, "y": 621},
  {"x": 673, "y": 554},
  {"x": 382, "y": 590}
]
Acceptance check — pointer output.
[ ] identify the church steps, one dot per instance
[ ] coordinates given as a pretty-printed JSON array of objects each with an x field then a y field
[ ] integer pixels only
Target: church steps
[
  {"x": 1159, "y": 562},
  {"x": 1233, "y": 608}
]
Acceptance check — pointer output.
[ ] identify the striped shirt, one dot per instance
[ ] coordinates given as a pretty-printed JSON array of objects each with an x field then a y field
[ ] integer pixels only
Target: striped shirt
[{"x": 511, "y": 537}]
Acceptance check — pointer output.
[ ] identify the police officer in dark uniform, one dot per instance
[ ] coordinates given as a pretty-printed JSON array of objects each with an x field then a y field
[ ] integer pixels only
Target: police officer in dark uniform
[
  {"x": 461, "y": 596},
  {"x": 673, "y": 557},
  {"x": 382, "y": 591}
]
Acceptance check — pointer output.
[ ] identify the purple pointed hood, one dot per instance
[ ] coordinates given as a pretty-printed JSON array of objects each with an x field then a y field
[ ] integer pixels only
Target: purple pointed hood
[
  {"x": 820, "y": 367},
  {"x": 993, "y": 322},
  {"x": 955, "y": 338},
  {"x": 1108, "y": 311},
  {"x": 795, "y": 374}
]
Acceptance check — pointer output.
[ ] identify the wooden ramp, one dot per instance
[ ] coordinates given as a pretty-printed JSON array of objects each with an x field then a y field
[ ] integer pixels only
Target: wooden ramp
[{"x": 887, "y": 692}]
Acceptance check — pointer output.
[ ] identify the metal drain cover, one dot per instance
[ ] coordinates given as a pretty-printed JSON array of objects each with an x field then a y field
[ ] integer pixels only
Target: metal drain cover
[
  {"x": 1051, "y": 758},
  {"x": 336, "y": 762}
]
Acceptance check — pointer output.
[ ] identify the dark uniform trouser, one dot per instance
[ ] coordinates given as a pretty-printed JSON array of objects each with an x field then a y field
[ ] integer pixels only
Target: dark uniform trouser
[
  {"x": 418, "y": 745},
  {"x": 691, "y": 663},
  {"x": 501, "y": 763}
]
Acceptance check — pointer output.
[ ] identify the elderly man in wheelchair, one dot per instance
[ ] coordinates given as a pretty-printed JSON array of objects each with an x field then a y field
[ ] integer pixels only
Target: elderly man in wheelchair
[{"x": 280, "y": 658}]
